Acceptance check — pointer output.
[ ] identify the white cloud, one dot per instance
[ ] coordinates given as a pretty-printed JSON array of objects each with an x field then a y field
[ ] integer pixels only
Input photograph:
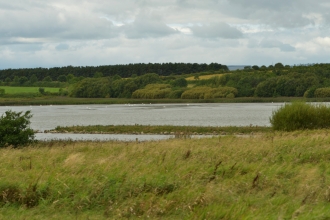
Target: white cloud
[{"x": 323, "y": 41}]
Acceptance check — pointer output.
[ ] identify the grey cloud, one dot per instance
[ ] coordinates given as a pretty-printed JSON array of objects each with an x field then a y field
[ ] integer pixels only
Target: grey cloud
[
  {"x": 268, "y": 43},
  {"x": 64, "y": 32},
  {"x": 54, "y": 23},
  {"x": 62, "y": 47},
  {"x": 266, "y": 4},
  {"x": 216, "y": 30},
  {"x": 286, "y": 19},
  {"x": 326, "y": 18},
  {"x": 253, "y": 43},
  {"x": 147, "y": 26},
  {"x": 279, "y": 13}
]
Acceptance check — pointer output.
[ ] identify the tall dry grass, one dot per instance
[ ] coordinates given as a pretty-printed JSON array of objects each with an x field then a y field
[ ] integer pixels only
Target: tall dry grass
[{"x": 269, "y": 176}]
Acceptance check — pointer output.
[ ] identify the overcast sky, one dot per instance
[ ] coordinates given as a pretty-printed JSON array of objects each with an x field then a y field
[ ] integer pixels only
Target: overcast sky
[{"x": 51, "y": 33}]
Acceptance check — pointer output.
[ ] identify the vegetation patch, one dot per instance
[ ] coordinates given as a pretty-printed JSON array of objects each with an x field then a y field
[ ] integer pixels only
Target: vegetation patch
[
  {"x": 153, "y": 91},
  {"x": 122, "y": 81},
  {"x": 199, "y": 77},
  {"x": 92, "y": 88},
  {"x": 276, "y": 175},
  {"x": 203, "y": 92},
  {"x": 322, "y": 92},
  {"x": 15, "y": 129},
  {"x": 21, "y": 90},
  {"x": 300, "y": 116},
  {"x": 162, "y": 129}
]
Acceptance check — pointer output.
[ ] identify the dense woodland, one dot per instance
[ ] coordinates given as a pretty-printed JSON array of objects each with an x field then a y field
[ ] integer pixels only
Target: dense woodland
[
  {"x": 124, "y": 71},
  {"x": 186, "y": 81}
]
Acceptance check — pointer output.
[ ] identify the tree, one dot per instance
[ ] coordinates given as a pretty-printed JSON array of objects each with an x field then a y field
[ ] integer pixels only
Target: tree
[
  {"x": 91, "y": 88},
  {"x": 180, "y": 82},
  {"x": 22, "y": 80},
  {"x": 279, "y": 66},
  {"x": 47, "y": 79},
  {"x": 266, "y": 88},
  {"x": 33, "y": 79},
  {"x": 42, "y": 90},
  {"x": 15, "y": 130},
  {"x": 70, "y": 78},
  {"x": 16, "y": 79},
  {"x": 98, "y": 75},
  {"x": 61, "y": 78}
]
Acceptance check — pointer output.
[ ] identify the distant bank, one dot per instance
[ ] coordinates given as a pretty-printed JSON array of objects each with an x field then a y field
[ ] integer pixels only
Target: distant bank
[{"x": 236, "y": 67}]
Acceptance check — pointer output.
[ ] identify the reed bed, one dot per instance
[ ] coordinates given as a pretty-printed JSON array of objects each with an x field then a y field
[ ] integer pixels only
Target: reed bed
[{"x": 161, "y": 129}]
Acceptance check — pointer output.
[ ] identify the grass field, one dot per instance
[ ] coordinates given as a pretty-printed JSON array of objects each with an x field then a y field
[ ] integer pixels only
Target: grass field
[
  {"x": 19, "y": 90},
  {"x": 269, "y": 176},
  {"x": 192, "y": 78}
]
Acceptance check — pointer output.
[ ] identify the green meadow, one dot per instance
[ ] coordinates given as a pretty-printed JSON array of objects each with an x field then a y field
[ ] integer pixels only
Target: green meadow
[
  {"x": 272, "y": 175},
  {"x": 21, "y": 90}
]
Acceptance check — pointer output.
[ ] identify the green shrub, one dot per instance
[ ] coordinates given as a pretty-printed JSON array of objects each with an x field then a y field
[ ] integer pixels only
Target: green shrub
[
  {"x": 300, "y": 116},
  {"x": 230, "y": 96},
  {"x": 204, "y": 92},
  {"x": 196, "y": 93},
  {"x": 42, "y": 90},
  {"x": 322, "y": 92},
  {"x": 310, "y": 92},
  {"x": 266, "y": 88},
  {"x": 14, "y": 129},
  {"x": 181, "y": 82},
  {"x": 153, "y": 91},
  {"x": 63, "y": 92},
  {"x": 175, "y": 94},
  {"x": 91, "y": 88}
]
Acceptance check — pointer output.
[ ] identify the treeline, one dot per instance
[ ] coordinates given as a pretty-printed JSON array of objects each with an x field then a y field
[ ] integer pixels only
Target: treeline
[
  {"x": 253, "y": 81},
  {"x": 149, "y": 85},
  {"x": 274, "y": 81},
  {"x": 124, "y": 71}
]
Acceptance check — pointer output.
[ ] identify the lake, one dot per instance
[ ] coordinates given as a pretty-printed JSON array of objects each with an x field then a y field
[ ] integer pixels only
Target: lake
[{"x": 205, "y": 114}]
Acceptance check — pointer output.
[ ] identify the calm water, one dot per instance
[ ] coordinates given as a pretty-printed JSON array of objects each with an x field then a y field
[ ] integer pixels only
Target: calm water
[{"x": 220, "y": 114}]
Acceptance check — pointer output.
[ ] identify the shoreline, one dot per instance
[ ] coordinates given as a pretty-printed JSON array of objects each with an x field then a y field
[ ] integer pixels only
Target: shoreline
[
  {"x": 160, "y": 130},
  {"x": 109, "y": 101}
]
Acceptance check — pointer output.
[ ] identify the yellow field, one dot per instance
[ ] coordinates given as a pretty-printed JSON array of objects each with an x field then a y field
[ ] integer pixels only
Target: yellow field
[{"x": 192, "y": 78}]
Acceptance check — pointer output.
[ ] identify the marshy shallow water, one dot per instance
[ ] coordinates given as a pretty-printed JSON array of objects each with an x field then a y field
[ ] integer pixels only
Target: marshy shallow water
[{"x": 205, "y": 114}]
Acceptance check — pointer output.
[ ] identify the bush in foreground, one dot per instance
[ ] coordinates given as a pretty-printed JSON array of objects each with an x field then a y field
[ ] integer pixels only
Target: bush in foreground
[
  {"x": 14, "y": 129},
  {"x": 300, "y": 116}
]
